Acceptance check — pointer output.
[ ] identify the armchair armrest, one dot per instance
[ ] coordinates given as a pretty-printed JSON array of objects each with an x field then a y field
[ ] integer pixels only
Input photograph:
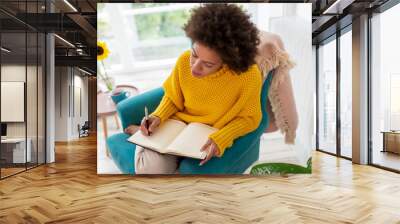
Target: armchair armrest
[{"x": 131, "y": 111}]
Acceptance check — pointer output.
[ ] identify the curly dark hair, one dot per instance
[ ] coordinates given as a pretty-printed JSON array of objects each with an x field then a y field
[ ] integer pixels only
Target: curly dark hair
[{"x": 226, "y": 29}]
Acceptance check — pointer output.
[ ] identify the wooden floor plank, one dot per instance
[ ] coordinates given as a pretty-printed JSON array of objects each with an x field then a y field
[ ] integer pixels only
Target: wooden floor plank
[{"x": 70, "y": 191}]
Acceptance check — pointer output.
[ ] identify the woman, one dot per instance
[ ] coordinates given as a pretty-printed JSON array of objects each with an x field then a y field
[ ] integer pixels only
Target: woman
[{"x": 216, "y": 83}]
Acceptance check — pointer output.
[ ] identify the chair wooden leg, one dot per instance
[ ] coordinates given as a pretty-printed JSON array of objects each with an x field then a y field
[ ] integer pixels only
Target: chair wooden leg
[
  {"x": 105, "y": 131},
  {"x": 116, "y": 121},
  {"x": 107, "y": 152}
]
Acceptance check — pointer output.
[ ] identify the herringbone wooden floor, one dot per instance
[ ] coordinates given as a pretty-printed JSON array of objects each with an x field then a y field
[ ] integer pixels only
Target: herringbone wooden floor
[{"x": 70, "y": 191}]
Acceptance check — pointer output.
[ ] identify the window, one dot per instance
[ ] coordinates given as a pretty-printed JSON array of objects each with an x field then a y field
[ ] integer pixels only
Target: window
[
  {"x": 385, "y": 86},
  {"x": 22, "y": 69},
  {"x": 394, "y": 101},
  {"x": 151, "y": 32},
  {"x": 346, "y": 94},
  {"x": 327, "y": 96}
]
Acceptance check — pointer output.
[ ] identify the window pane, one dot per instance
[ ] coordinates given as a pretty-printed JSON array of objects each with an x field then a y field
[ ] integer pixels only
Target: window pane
[
  {"x": 385, "y": 89},
  {"x": 31, "y": 99},
  {"x": 160, "y": 35},
  {"x": 143, "y": 34},
  {"x": 13, "y": 83},
  {"x": 160, "y": 52},
  {"x": 41, "y": 98},
  {"x": 327, "y": 96},
  {"x": 160, "y": 25},
  {"x": 105, "y": 33},
  {"x": 346, "y": 94}
]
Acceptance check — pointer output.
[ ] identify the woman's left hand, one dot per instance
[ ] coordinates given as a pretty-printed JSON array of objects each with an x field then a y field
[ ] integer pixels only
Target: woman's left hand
[{"x": 212, "y": 150}]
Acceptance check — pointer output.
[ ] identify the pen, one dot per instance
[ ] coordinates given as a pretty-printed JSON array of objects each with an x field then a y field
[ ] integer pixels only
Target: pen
[{"x": 146, "y": 114}]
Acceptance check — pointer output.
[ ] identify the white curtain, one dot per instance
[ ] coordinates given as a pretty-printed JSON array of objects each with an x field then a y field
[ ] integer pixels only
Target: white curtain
[{"x": 293, "y": 23}]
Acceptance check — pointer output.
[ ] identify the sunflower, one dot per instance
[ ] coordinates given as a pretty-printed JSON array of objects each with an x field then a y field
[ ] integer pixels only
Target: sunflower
[{"x": 102, "y": 50}]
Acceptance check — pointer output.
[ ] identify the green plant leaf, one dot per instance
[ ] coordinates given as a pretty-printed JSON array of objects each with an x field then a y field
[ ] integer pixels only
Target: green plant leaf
[{"x": 280, "y": 168}]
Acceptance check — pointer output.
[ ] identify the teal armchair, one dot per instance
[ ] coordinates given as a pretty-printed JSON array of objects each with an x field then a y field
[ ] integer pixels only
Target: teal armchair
[{"x": 236, "y": 159}]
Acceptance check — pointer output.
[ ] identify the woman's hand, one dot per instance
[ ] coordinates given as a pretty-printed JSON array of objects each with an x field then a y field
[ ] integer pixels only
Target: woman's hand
[
  {"x": 131, "y": 129},
  {"x": 153, "y": 122},
  {"x": 212, "y": 150}
]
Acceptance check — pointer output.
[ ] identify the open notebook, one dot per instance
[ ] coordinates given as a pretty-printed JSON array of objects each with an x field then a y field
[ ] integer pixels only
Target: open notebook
[{"x": 177, "y": 138}]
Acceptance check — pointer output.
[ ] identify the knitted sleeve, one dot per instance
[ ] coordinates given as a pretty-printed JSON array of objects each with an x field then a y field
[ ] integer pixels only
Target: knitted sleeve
[
  {"x": 246, "y": 121},
  {"x": 172, "y": 100},
  {"x": 165, "y": 109}
]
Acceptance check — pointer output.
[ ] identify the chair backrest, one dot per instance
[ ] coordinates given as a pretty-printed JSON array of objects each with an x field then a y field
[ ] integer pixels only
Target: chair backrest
[
  {"x": 265, "y": 122},
  {"x": 86, "y": 125},
  {"x": 280, "y": 105}
]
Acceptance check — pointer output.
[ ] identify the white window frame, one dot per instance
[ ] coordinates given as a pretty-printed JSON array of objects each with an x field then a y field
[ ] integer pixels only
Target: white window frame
[
  {"x": 120, "y": 21},
  {"x": 124, "y": 31}
]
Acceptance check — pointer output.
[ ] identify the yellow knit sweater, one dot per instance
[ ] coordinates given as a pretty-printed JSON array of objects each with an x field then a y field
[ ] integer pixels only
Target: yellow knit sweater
[{"x": 224, "y": 100}]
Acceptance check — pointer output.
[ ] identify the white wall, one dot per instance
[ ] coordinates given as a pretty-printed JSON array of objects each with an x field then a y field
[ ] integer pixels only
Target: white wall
[
  {"x": 61, "y": 103},
  {"x": 80, "y": 100},
  {"x": 50, "y": 95},
  {"x": 69, "y": 85},
  {"x": 292, "y": 22},
  {"x": 314, "y": 74}
]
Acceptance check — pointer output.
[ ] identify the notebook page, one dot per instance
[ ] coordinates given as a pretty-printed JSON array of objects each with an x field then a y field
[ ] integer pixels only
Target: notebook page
[
  {"x": 190, "y": 140},
  {"x": 161, "y": 137}
]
